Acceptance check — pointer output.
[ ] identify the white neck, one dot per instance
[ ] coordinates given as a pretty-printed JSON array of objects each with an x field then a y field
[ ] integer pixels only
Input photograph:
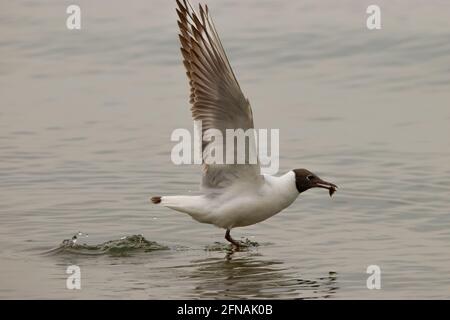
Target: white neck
[{"x": 284, "y": 187}]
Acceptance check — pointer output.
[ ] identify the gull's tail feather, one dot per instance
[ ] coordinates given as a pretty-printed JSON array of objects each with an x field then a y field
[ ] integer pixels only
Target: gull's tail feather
[
  {"x": 170, "y": 201},
  {"x": 177, "y": 202},
  {"x": 156, "y": 199},
  {"x": 192, "y": 205}
]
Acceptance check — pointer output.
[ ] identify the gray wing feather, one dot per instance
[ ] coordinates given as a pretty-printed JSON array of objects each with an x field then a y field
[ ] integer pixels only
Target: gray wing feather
[{"x": 216, "y": 97}]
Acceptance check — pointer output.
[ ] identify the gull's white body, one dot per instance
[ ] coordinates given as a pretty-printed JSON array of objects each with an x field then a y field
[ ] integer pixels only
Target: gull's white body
[{"x": 240, "y": 204}]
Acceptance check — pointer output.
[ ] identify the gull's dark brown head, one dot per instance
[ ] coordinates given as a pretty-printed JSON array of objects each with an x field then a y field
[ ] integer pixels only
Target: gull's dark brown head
[{"x": 305, "y": 179}]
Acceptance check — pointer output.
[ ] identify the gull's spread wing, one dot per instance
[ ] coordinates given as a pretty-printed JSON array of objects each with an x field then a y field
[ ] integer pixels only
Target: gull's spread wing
[{"x": 216, "y": 97}]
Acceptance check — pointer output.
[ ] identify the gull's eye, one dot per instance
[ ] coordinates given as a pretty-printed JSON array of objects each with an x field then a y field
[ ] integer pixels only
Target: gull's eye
[{"x": 310, "y": 177}]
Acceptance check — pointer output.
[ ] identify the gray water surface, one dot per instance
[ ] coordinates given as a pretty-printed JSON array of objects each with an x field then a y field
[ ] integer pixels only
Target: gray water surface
[{"x": 85, "y": 124}]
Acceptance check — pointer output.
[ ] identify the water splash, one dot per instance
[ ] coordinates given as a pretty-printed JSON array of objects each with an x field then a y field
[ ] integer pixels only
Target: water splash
[
  {"x": 245, "y": 245},
  {"x": 124, "y": 246}
]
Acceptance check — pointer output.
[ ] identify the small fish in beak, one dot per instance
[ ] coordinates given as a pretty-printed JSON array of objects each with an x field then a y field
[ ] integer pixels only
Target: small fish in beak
[{"x": 331, "y": 191}]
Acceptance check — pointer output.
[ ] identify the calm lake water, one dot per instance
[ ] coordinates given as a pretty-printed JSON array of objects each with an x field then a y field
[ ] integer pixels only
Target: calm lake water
[{"x": 85, "y": 124}]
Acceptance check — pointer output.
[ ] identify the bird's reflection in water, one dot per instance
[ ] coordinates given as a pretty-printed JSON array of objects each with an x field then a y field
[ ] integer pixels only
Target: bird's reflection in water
[{"x": 251, "y": 276}]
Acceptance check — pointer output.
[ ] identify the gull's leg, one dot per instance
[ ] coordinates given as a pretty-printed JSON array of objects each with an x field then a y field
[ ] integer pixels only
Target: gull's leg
[{"x": 230, "y": 239}]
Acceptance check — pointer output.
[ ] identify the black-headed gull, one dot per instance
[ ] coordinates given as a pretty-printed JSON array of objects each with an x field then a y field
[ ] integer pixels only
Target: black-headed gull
[{"x": 234, "y": 195}]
